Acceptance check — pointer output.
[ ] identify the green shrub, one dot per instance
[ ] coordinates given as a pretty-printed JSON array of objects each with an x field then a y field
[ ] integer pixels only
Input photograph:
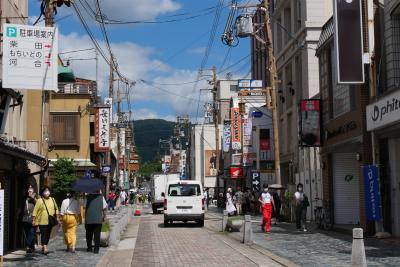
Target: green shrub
[{"x": 105, "y": 227}]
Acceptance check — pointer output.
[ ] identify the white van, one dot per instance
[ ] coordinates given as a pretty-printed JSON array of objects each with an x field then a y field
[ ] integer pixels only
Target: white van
[{"x": 184, "y": 201}]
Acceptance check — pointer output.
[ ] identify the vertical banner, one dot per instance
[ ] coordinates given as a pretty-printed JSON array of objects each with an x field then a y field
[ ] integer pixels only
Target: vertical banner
[
  {"x": 372, "y": 193},
  {"x": 227, "y": 136},
  {"x": 102, "y": 129},
  {"x": 247, "y": 132},
  {"x": 109, "y": 102},
  {"x": 310, "y": 122},
  {"x": 348, "y": 41},
  {"x": 248, "y": 156},
  {"x": 210, "y": 163},
  {"x": 236, "y": 129},
  {"x": 1, "y": 222}
]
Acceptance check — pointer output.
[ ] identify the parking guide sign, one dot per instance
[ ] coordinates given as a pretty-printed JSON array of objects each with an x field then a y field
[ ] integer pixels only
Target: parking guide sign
[{"x": 30, "y": 57}]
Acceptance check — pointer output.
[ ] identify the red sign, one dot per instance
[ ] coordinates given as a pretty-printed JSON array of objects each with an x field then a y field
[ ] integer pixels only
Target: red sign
[
  {"x": 265, "y": 144},
  {"x": 236, "y": 172}
]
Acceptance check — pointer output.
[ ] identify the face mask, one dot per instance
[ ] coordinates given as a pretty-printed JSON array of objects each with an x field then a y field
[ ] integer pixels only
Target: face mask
[
  {"x": 265, "y": 190},
  {"x": 46, "y": 193},
  {"x": 300, "y": 189},
  {"x": 68, "y": 195}
]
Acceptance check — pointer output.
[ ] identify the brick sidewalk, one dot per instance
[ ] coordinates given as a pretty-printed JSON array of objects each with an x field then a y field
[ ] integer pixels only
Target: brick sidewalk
[{"x": 320, "y": 248}]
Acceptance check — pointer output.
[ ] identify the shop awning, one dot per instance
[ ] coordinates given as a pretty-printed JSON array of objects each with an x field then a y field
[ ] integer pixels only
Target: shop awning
[
  {"x": 65, "y": 74},
  {"x": 79, "y": 164},
  {"x": 22, "y": 153}
]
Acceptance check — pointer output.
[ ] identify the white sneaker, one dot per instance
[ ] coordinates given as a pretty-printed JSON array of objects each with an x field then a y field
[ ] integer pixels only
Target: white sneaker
[{"x": 305, "y": 230}]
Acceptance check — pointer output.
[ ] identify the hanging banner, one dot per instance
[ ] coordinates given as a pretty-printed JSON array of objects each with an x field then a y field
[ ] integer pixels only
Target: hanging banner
[
  {"x": 248, "y": 156},
  {"x": 247, "y": 131},
  {"x": 236, "y": 172},
  {"x": 236, "y": 129},
  {"x": 310, "y": 122},
  {"x": 109, "y": 102},
  {"x": 30, "y": 57},
  {"x": 210, "y": 163},
  {"x": 372, "y": 193},
  {"x": 102, "y": 129},
  {"x": 227, "y": 136}
]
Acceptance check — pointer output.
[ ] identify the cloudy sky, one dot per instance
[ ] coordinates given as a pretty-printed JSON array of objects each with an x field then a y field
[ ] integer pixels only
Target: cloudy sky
[{"x": 162, "y": 58}]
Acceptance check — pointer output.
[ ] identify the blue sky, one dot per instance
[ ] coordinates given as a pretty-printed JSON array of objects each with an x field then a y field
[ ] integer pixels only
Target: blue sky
[{"x": 166, "y": 53}]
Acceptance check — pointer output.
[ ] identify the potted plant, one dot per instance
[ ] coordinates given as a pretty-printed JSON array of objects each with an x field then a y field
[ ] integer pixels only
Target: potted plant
[{"x": 105, "y": 234}]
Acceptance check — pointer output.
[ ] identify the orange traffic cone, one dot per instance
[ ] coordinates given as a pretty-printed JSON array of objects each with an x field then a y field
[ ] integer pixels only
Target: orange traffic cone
[{"x": 137, "y": 212}]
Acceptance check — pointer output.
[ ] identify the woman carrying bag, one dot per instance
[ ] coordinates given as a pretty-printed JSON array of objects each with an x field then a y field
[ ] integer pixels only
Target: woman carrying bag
[
  {"x": 29, "y": 229},
  {"x": 45, "y": 215}
]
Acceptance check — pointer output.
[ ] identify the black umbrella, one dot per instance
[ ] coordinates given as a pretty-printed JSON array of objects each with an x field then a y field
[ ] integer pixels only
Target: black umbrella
[{"x": 87, "y": 185}]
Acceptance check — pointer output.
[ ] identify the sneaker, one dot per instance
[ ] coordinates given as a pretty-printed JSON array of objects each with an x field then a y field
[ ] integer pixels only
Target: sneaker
[
  {"x": 305, "y": 230},
  {"x": 89, "y": 249},
  {"x": 96, "y": 251}
]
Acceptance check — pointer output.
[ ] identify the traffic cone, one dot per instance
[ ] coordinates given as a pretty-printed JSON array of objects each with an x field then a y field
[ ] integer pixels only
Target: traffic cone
[{"x": 137, "y": 212}]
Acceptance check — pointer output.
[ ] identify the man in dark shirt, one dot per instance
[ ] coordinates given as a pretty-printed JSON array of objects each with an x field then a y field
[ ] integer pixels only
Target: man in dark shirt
[{"x": 96, "y": 206}]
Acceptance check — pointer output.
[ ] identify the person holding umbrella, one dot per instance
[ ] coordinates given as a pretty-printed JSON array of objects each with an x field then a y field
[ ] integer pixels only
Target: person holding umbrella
[{"x": 96, "y": 207}]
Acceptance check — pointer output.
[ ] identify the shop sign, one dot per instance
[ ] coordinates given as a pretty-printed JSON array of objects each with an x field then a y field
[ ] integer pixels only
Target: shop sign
[
  {"x": 236, "y": 129},
  {"x": 247, "y": 132},
  {"x": 310, "y": 122},
  {"x": 227, "y": 136},
  {"x": 372, "y": 194},
  {"x": 102, "y": 136},
  {"x": 236, "y": 172},
  {"x": 237, "y": 159},
  {"x": 106, "y": 168},
  {"x": 248, "y": 156},
  {"x": 30, "y": 57},
  {"x": 267, "y": 166},
  {"x": 384, "y": 112}
]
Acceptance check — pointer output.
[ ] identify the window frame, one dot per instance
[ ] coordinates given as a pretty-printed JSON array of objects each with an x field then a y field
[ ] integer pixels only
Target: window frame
[{"x": 76, "y": 130}]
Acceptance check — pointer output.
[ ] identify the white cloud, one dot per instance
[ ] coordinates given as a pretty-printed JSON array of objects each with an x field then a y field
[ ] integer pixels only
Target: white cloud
[
  {"x": 136, "y": 9},
  {"x": 197, "y": 50},
  {"x": 144, "y": 113},
  {"x": 137, "y": 63}
]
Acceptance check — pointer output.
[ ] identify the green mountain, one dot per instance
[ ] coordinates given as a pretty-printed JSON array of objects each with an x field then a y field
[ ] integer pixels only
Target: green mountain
[{"x": 147, "y": 136}]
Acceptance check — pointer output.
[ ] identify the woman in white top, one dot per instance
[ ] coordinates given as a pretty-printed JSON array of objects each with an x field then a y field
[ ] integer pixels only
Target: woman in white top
[
  {"x": 268, "y": 204},
  {"x": 70, "y": 212},
  {"x": 230, "y": 207}
]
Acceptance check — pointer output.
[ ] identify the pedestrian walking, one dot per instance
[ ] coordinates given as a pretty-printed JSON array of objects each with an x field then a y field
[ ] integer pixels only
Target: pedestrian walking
[
  {"x": 230, "y": 207},
  {"x": 247, "y": 200},
  {"x": 96, "y": 206},
  {"x": 45, "y": 215},
  {"x": 301, "y": 204},
  {"x": 239, "y": 201},
  {"x": 29, "y": 228},
  {"x": 122, "y": 197},
  {"x": 70, "y": 217},
  {"x": 268, "y": 204},
  {"x": 205, "y": 194},
  {"x": 277, "y": 202},
  {"x": 111, "y": 200}
]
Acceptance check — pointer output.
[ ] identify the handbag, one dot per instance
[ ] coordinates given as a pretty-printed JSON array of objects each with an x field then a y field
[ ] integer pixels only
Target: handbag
[
  {"x": 305, "y": 203},
  {"x": 52, "y": 219},
  {"x": 27, "y": 217}
]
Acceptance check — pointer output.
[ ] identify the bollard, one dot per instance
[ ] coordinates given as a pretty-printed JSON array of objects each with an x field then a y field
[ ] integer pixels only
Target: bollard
[
  {"x": 247, "y": 230},
  {"x": 358, "y": 251},
  {"x": 224, "y": 220}
]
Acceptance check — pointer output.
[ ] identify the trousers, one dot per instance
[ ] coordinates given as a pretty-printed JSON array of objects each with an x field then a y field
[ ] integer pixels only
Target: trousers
[
  {"x": 45, "y": 231},
  {"x": 267, "y": 214},
  {"x": 93, "y": 233},
  {"x": 69, "y": 227},
  {"x": 30, "y": 234}
]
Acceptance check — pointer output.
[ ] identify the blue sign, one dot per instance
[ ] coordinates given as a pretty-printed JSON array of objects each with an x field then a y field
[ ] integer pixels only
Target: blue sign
[
  {"x": 372, "y": 193},
  {"x": 257, "y": 114},
  {"x": 106, "y": 168}
]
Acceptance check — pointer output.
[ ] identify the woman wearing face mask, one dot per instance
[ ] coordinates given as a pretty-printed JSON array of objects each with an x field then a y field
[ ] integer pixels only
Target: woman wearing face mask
[
  {"x": 70, "y": 214},
  {"x": 268, "y": 204},
  {"x": 301, "y": 203},
  {"x": 45, "y": 216}
]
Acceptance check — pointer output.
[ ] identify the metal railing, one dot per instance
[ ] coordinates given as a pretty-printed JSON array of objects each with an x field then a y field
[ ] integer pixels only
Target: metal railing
[{"x": 77, "y": 88}]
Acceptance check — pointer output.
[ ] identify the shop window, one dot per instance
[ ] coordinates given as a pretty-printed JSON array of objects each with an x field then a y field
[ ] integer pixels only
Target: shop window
[
  {"x": 395, "y": 19},
  {"x": 64, "y": 129}
]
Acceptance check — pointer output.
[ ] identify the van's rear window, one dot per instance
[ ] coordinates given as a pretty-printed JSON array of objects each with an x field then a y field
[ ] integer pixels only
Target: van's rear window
[{"x": 184, "y": 190}]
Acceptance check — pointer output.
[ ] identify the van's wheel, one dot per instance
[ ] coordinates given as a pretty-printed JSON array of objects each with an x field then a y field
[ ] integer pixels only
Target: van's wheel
[{"x": 165, "y": 223}]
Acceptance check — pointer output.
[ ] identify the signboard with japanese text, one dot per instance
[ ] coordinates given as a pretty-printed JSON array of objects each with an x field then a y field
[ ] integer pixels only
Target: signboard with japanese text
[
  {"x": 227, "y": 136},
  {"x": 310, "y": 122},
  {"x": 30, "y": 57},
  {"x": 236, "y": 129},
  {"x": 372, "y": 193},
  {"x": 109, "y": 101},
  {"x": 102, "y": 128},
  {"x": 248, "y": 156},
  {"x": 247, "y": 132},
  {"x": 237, "y": 159},
  {"x": 1, "y": 222}
]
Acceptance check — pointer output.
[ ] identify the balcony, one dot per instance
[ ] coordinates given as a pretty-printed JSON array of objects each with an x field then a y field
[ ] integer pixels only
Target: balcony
[{"x": 77, "y": 88}]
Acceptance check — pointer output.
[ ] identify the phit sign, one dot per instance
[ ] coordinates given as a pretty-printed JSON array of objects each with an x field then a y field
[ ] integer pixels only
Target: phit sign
[{"x": 236, "y": 129}]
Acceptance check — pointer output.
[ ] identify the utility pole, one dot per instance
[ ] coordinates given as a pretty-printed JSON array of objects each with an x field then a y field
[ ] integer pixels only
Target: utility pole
[
  {"x": 271, "y": 70},
  {"x": 215, "y": 118},
  {"x": 48, "y": 20},
  {"x": 110, "y": 95},
  {"x": 118, "y": 131}
]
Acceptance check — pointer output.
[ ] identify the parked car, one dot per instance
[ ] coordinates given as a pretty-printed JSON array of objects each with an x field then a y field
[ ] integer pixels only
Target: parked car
[{"x": 184, "y": 201}]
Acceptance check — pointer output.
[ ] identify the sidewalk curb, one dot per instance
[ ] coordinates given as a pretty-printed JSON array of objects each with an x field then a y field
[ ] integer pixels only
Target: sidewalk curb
[{"x": 256, "y": 247}]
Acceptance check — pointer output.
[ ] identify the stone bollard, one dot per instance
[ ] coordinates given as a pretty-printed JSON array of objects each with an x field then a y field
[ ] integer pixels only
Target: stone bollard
[
  {"x": 247, "y": 230},
  {"x": 358, "y": 258},
  {"x": 224, "y": 220}
]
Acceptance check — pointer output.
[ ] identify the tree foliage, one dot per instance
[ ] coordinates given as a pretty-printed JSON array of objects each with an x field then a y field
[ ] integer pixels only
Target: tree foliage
[
  {"x": 64, "y": 176},
  {"x": 146, "y": 169}
]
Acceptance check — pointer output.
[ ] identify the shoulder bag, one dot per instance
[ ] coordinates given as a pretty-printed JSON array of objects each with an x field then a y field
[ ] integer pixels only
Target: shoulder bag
[{"x": 52, "y": 218}]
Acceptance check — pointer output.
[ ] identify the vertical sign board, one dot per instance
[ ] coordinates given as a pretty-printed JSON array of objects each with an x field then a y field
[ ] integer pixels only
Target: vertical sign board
[
  {"x": 102, "y": 136},
  {"x": 236, "y": 129},
  {"x": 227, "y": 136},
  {"x": 109, "y": 101},
  {"x": 349, "y": 41},
  {"x": 372, "y": 193},
  {"x": 1, "y": 222},
  {"x": 247, "y": 132},
  {"x": 30, "y": 57},
  {"x": 310, "y": 122},
  {"x": 255, "y": 180}
]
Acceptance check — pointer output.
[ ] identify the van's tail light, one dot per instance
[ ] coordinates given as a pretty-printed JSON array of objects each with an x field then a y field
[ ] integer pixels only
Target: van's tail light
[
  {"x": 202, "y": 203},
  {"x": 165, "y": 204}
]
